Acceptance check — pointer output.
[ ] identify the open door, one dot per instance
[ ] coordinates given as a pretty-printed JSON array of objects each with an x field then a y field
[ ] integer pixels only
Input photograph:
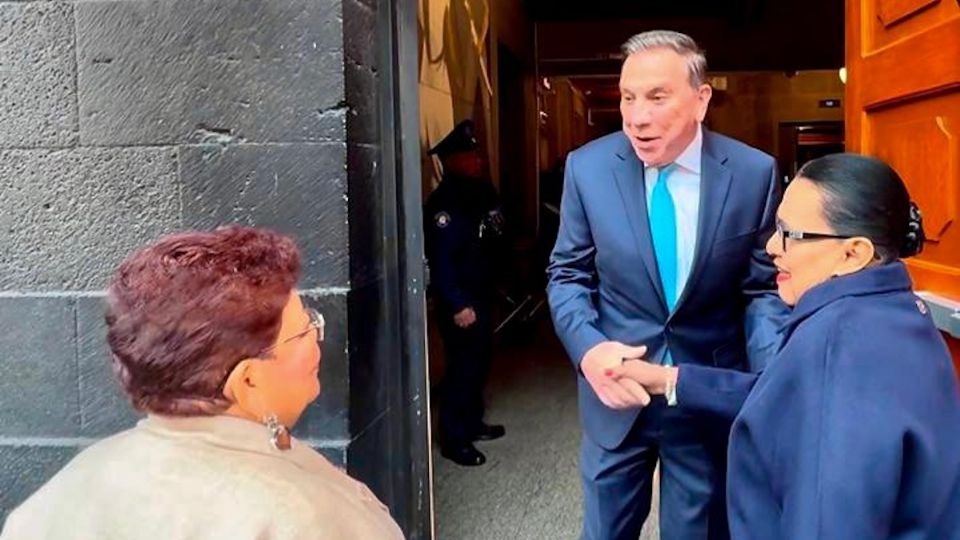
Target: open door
[{"x": 903, "y": 106}]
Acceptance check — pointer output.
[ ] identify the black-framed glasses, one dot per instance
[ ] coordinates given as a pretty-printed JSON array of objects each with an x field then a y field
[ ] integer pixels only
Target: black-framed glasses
[
  {"x": 803, "y": 235},
  {"x": 316, "y": 323}
]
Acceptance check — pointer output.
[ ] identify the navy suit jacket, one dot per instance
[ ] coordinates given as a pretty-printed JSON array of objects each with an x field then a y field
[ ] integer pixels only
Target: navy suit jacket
[
  {"x": 854, "y": 430},
  {"x": 603, "y": 282}
]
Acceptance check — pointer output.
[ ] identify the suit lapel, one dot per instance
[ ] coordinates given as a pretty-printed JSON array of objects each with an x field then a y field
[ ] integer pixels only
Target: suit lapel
[
  {"x": 628, "y": 171},
  {"x": 715, "y": 179}
]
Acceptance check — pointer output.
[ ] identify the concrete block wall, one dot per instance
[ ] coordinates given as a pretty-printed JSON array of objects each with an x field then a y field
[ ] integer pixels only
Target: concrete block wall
[{"x": 121, "y": 121}]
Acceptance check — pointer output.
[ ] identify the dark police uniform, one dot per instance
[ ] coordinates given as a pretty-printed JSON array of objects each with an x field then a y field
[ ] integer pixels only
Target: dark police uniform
[{"x": 463, "y": 227}]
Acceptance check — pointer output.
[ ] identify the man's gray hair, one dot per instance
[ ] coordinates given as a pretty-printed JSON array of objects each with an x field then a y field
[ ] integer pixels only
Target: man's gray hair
[{"x": 682, "y": 44}]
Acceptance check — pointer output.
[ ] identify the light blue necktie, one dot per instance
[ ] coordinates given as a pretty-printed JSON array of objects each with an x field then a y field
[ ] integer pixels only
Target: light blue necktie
[{"x": 663, "y": 229}]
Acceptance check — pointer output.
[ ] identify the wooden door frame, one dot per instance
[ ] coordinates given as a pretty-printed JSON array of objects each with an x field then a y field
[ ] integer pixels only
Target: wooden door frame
[{"x": 865, "y": 93}]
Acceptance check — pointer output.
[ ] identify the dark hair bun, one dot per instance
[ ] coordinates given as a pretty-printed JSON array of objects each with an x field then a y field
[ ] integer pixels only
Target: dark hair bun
[{"x": 913, "y": 241}]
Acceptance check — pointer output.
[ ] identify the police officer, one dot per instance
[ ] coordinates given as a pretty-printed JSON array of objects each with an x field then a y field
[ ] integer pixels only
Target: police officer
[{"x": 463, "y": 227}]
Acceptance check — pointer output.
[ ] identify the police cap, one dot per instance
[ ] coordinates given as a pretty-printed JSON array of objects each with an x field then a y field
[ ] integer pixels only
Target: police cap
[{"x": 461, "y": 139}]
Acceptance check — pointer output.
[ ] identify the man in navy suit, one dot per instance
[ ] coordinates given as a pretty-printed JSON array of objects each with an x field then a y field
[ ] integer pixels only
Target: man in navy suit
[{"x": 660, "y": 255}]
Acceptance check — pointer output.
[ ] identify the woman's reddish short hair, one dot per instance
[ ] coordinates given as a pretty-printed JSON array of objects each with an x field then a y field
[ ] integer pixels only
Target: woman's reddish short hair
[{"x": 184, "y": 311}]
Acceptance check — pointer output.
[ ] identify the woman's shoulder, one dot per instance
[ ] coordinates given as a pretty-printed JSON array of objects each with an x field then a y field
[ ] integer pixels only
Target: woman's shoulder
[
  {"x": 254, "y": 499},
  {"x": 889, "y": 332},
  {"x": 94, "y": 456},
  {"x": 123, "y": 461},
  {"x": 899, "y": 318},
  {"x": 880, "y": 337},
  {"x": 881, "y": 316},
  {"x": 295, "y": 490},
  {"x": 301, "y": 476},
  {"x": 74, "y": 480},
  {"x": 314, "y": 490}
]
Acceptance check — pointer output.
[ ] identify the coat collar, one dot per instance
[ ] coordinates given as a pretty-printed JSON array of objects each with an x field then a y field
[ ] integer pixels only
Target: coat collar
[
  {"x": 886, "y": 278},
  {"x": 232, "y": 433},
  {"x": 628, "y": 172},
  {"x": 715, "y": 181}
]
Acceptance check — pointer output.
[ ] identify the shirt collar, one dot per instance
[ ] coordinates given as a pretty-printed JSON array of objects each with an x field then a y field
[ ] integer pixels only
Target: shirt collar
[
  {"x": 232, "y": 433},
  {"x": 690, "y": 158}
]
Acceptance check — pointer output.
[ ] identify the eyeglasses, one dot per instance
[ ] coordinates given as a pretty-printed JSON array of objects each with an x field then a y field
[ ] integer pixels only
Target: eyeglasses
[
  {"x": 802, "y": 235},
  {"x": 316, "y": 323}
]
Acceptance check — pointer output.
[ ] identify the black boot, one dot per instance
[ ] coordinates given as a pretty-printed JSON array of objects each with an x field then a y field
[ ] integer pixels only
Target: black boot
[
  {"x": 463, "y": 454},
  {"x": 487, "y": 432}
]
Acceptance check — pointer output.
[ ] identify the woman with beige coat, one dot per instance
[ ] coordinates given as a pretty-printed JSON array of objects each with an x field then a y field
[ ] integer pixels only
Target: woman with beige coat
[{"x": 212, "y": 342}]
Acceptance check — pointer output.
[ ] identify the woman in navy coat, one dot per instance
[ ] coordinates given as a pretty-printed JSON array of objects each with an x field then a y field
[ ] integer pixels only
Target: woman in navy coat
[{"x": 853, "y": 430}]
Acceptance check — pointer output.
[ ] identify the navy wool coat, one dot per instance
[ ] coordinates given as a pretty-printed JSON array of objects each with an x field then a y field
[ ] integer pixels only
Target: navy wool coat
[{"x": 853, "y": 430}]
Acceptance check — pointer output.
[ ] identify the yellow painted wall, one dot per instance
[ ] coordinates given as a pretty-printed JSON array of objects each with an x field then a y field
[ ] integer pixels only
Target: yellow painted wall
[
  {"x": 455, "y": 81},
  {"x": 458, "y": 80}
]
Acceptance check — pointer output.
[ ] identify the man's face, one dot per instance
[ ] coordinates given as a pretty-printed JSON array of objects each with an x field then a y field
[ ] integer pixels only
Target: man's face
[{"x": 660, "y": 109}]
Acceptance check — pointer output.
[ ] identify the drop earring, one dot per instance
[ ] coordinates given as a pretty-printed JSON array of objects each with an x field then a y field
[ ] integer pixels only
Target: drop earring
[{"x": 279, "y": 436}]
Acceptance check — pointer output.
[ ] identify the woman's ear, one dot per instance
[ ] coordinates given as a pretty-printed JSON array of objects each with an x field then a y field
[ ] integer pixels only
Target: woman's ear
[
  {"x": 243, "y": 382},
  {"x": 858, "y": 253}
]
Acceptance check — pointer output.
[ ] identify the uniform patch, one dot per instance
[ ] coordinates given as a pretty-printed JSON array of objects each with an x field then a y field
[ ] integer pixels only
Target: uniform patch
[
  {"x": 442, "y": 219},
  {"x": 922, "y": 306}
]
